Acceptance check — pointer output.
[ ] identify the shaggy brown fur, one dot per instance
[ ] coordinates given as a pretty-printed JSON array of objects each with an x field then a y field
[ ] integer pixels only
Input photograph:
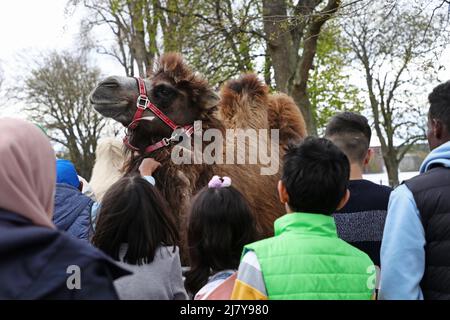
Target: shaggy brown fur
[
  {"x": 245, "y": 103},
  {"x": 286, "y": 116},
  {"x": 171, "y": 67}
]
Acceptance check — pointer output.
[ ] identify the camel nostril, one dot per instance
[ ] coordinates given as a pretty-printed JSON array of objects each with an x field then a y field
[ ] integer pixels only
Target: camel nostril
[{"x": 110, "y": 82}]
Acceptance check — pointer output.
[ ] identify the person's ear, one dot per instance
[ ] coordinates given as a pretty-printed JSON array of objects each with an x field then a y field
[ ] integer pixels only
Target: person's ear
[
  {"x": 282, "y": 193},
  {"x": 369, "y": 156},
  {"x": 344, "y": 200},
  {"x": 438, "y": 129}
]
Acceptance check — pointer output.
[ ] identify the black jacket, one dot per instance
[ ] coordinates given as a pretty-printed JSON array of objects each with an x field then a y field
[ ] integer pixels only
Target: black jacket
[
  {"x": 431, "y": 191},
  {"x": 35, "y": 263}
]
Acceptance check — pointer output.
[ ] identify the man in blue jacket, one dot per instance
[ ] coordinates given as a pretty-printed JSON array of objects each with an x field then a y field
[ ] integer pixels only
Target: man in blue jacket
[{"x": 415, "y": 251}]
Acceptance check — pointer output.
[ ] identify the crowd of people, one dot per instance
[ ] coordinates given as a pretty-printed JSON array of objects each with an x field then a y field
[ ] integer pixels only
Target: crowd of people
[{"x": 342, "y": 237}]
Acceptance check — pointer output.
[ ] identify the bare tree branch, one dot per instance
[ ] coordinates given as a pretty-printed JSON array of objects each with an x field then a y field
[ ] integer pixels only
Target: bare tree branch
[
  {"x": 57, "y": 91},
  {"x": 391, "y": 44}
]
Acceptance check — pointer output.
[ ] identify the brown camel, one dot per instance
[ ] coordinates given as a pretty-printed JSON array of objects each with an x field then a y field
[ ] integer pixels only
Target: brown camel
[{"x": 185, "y": 97}]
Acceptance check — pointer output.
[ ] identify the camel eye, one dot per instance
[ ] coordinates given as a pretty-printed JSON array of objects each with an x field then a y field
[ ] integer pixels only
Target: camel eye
[{"x": 163, "y": 91}]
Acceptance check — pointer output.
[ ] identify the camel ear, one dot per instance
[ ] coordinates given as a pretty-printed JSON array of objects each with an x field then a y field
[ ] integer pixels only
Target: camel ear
[{"x": 210, "y": 99}]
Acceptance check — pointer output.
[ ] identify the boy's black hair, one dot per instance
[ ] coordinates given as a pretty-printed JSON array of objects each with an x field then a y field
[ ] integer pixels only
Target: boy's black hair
[
  {"x": 440, "y": 104},
  {"x": 220, "y": 225},
  {"x": 316, "y": 175},
  {"x": 135, "y": 213},
  {"x": 351, "y": 133}
]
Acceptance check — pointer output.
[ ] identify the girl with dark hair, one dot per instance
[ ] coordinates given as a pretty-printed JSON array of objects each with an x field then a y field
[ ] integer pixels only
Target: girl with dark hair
[
  {"x": 136, "y": 228},
  {"x": 220, "y": 224}
]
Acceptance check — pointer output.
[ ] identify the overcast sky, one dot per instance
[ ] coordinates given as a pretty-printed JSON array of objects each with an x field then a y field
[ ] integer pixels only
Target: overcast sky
[
  {"x": 32, "y": 27},
  {"x": 26, "y": 24}
]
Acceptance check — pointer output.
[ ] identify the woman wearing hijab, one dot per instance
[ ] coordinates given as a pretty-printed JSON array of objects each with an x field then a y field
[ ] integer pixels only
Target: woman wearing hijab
[{"x": 36, "y": 260}]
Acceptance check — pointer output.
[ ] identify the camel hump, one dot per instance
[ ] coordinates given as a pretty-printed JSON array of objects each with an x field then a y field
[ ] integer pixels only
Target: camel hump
[
  {"x": 108, "y": 166},
  {"x": 244, "y": 103},
  {"x": 285, "y": 115},
  {"x": 247, "y": 84}
]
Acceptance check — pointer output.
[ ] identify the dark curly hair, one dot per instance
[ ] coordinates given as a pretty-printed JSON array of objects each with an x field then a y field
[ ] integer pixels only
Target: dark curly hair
[{"x": 440, "y": 104}]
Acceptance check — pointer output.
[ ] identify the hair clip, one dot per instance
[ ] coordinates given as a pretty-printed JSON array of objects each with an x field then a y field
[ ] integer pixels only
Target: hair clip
[{"x": 217, "y": 182}]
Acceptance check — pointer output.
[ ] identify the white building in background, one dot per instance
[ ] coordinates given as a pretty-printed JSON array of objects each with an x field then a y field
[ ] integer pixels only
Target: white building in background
[{"x": 382, "y": 178}]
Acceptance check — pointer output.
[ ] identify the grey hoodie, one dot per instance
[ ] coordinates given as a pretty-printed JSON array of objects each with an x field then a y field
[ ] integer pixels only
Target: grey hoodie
[{"x": 159, "y": 280}]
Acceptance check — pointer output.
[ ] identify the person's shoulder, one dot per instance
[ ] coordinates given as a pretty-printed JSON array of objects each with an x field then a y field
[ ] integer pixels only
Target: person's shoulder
[
  {"x": 385, "y": 189},
  {"x": 366, "y": 196},
  {"x": 82, "y": 248},
  {"x": 64, "y": 191},
  {"x": 168, "y": 252},
  {"x": 81, "y": 253},
  {"x": 42, "y": 258},
  {"x": 350, "y": 250},
  {"x": 377, "y": 187},
  {"x": 378, "y": 193},
  {"x": 209, "y": 288},
  {"x": 260, "y": 244},
  {"x": 64, "y": 187},
  {"x": 71, "y": 257},
  {"x": 434, "y": 177},
  {"x": 250, "y": 258},
  {"x": 22, "y": 234},
  {"x": 166, "y": 259}
]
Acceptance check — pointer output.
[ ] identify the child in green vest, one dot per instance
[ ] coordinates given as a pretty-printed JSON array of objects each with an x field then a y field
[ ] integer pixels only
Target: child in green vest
[{"x": 306, "y": 259}]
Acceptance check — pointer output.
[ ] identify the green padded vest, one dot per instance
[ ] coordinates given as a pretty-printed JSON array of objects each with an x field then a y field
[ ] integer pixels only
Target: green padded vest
[{"x": 306, "y": 260}]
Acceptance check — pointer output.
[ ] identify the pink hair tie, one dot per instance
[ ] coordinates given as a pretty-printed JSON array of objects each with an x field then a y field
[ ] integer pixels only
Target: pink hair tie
[{"x": 216, "y": 182}]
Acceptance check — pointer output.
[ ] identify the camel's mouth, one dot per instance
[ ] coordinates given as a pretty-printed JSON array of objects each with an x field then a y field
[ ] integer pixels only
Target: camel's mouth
[
  {"x": 99, "y": 104},
  {"x": 116, "y": 111},
  {"x": 109, "y": 108},
  {"x": 109, "y": 112}
]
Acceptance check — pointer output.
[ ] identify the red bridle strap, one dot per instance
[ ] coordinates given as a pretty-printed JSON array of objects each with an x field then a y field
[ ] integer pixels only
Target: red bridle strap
[
  {"x": 188, "y": 131},
  {"x": 144, "y": 103}
]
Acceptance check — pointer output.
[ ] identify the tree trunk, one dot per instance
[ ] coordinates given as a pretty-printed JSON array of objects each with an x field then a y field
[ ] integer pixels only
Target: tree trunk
[
  {"x": 279, "y": 42},
  {"x": 89, "y": 161},
  {"x": 283, "y": 41},
  {"x": 301, "y": 98},
  {"x": 392, "y": 168},
  {"x": 267, "y": 69},
  {"x": 138, "y": 45}
]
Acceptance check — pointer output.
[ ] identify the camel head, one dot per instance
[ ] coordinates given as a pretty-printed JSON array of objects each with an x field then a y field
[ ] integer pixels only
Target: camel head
[{"x": 182, "y": 95}]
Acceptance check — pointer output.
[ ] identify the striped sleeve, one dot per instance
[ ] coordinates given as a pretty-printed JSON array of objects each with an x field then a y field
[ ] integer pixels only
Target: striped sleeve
[{"x": 249, "y": 284}]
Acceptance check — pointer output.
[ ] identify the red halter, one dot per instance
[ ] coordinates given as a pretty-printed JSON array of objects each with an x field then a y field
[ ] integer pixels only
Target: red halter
[{"x": 143, "y": 103}]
